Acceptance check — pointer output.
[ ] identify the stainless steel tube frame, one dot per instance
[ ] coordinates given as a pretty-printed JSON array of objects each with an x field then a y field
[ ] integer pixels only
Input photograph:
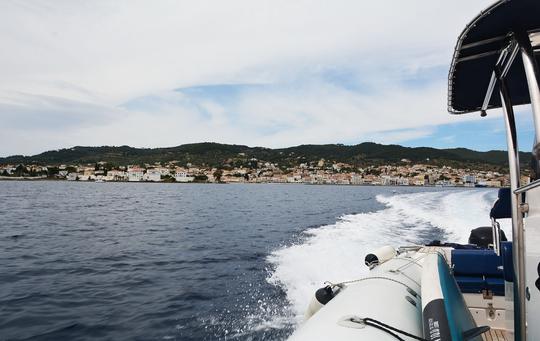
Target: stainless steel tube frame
[
  {"x": 533, "y": 77},
  {"x": 520, "y": 328},
  {"x": 496, "y": 235}
]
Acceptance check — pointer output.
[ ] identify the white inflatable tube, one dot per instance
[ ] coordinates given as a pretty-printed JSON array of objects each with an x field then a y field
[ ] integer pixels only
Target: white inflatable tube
[
  {"x": 390, "y": 294},
  {"x": 380, "y": 256}
]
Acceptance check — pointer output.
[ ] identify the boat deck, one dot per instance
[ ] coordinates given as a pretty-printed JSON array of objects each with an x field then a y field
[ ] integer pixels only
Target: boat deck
[{"x": 494, "y": 335}]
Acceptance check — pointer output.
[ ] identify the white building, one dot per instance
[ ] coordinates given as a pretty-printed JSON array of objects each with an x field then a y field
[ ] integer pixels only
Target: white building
[
  {"x": 116, "y": 175},
  {"x": 152, "y": 175},
  {"x": 356, "y": 179},
  {"x": 296, "y": 178},
  {"x": 180, "y": 176},
  {"x": 9, "y": 169},
  {"x": 135, "y": 174},
  {"x": 163, "y": 170},
  {"x": 403, "y": 181},
  {"x": 469, "y": 180},
  {"x": 88, "y": 172}
]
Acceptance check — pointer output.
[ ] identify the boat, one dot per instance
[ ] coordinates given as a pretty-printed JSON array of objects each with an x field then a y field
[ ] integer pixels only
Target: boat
[{"x": 488, "y": 289}]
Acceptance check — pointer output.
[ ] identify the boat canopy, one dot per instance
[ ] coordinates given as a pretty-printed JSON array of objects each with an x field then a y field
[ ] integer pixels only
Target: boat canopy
[{"x": 471, "y": 80}]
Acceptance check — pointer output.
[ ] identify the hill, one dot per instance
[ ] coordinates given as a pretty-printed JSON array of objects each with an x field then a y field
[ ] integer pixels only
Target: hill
[{"x": 216, "y": 155}]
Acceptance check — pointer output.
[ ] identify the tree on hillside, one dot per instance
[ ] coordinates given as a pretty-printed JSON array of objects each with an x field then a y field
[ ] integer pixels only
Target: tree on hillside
[
  {"x": 20, "y": 170},
  {"x": 217, "y": 175},
  {"x": 200, "y": 178}
]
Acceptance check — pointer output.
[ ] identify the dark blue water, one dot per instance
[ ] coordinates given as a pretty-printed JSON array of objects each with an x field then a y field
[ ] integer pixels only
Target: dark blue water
[{"x": 124, "y": 261}]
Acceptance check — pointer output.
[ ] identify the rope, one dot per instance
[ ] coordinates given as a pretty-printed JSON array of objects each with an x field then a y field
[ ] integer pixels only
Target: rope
[
  {"x": 342, "y": 284},
  {"x": 405, "y": 275},
  {"x": 378, "y": 324},
  {"x": 386, "y": 328},
  {"x": 398, "y": 270},
  {"x": 411, "y": 261}
]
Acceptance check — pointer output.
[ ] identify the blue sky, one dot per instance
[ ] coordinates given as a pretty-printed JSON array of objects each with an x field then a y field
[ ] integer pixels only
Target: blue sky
[
  {"x": 261, "y": 73},
  {"x": 485, "y": 134}
]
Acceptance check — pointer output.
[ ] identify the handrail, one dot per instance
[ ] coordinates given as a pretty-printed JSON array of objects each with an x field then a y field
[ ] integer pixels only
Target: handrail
[
  {"x": 518, "y": 238},
  {"x": 527, "y": 187},
  {"x": 532, "y": 74}
]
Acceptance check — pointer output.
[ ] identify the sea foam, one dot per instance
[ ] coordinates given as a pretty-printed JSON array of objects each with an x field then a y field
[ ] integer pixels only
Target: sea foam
[{"x": 336, "y": 252}]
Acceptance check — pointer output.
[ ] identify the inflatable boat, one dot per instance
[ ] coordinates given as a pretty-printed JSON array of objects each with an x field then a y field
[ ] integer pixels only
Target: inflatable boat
[
  {"x": 450, "y": 292},
  {"x": 488, "y": 289}
]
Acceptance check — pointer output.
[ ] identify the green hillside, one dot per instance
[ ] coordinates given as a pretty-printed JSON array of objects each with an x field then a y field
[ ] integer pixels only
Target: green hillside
[{"x": 215, "y": 154}]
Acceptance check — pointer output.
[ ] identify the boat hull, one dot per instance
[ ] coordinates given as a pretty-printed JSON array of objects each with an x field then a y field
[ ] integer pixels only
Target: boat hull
[
  {"x": 444, "y": 312},
  {"x": 385, "y": 295},
  {"x": 413, "y": 292}
]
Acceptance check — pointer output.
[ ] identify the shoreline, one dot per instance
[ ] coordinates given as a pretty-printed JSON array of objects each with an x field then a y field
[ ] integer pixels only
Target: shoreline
[{"x": 34, "y": 179}]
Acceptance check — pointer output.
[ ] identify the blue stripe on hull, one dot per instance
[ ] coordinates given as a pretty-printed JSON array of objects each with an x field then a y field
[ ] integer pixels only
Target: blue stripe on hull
[
  {"x": 447, "y": 318},
  {"x": 459, "y": 316}
]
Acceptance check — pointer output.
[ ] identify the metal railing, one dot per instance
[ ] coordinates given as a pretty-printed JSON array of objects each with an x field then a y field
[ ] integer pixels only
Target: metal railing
[
  {"x": 527, "y": 187},
  {"x": 518, "y": 233}
]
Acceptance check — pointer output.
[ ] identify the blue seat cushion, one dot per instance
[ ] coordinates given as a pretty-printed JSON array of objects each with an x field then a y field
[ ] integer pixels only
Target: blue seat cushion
[
  {"x": 508, "y": 263},
  {"x": 495, "y": 285},
  {"x": 471, "y": 284},
  {"x": 476, "y": 263}
]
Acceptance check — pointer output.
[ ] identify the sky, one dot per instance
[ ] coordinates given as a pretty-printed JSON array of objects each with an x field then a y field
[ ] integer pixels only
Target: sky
[{"x": 260, "y": 73}]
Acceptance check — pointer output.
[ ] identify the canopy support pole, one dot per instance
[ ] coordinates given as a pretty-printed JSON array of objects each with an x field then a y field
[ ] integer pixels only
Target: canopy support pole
[
  {"x": 518, "y": 247},
  {"x": 533, "y": 81},
  {"x": 505, "y": 61}
]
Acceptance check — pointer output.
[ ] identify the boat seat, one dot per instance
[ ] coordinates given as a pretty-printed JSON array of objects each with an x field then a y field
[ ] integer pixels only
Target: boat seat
[
  {"x": 478, "y": 270},
  {"x": 496, "y": 285},
  {"x": 476, "y": 262},
  {"x": 507, "y": 261},
  {"x": 470, "y": 284}
]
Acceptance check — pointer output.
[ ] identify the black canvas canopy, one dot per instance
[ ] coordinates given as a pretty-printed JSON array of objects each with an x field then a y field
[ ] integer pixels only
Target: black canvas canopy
[{"x": 478, "y": 50}]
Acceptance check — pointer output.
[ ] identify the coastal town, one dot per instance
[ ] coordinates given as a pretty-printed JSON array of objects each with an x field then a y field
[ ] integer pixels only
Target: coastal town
[{"x": 256, "y": 171}]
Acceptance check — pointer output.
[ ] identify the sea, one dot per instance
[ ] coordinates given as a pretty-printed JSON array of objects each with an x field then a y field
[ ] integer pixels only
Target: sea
[{"x": 145, "y": 261}]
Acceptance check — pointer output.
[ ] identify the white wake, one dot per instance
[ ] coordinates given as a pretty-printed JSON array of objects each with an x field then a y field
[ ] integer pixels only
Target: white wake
[{"x": 336, "y": 252}]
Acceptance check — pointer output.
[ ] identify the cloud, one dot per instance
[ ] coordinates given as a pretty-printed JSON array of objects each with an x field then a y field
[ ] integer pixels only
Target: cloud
[
  {"x": 397, "y": 136},
  {"x": 39, "y": 112},
  {"x": 314, "y": 111},
  {"x": 448, "y": 139},
  {"x": 269, "y": 73}
]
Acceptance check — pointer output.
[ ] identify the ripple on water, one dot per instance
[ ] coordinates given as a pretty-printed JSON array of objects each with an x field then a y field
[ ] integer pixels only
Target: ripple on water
[{"x": 121, "y": 261}]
